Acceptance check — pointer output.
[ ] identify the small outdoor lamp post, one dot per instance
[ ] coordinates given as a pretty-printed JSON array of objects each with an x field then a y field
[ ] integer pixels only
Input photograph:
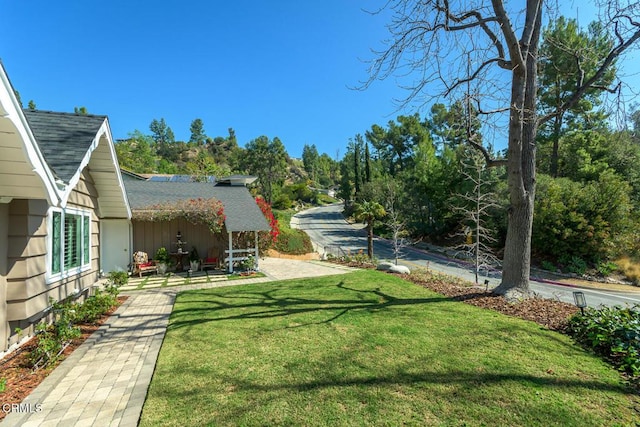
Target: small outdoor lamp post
[{"x": 581, "y": 301}]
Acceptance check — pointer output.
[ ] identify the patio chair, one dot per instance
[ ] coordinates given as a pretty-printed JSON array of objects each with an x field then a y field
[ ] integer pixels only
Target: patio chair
[
  {"x": 210, "y": 261},
  {"x": 141, "y": 264}
]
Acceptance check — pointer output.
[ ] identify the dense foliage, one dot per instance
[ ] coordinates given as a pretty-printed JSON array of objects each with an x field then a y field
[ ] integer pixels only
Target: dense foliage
[
  {"x": 291, "y": 240},
  {"x": 611, "y": 332}
]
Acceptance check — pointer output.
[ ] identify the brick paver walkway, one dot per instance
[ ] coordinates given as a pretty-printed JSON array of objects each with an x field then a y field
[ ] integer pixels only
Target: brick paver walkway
[{"x": 105, "y": 381}]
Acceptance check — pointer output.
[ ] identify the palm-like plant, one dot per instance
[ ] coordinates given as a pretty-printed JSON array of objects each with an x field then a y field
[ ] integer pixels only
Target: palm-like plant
[{"x": 368, "y": 212}]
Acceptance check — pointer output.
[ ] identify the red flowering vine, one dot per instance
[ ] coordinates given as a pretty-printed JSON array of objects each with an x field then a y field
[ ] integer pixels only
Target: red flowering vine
[
  {"x": 209, "y": 212},
  {"x": 268, "y": 213}
]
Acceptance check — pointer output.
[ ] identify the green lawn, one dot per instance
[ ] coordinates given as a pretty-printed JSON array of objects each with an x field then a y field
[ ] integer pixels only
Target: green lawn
[{"x": 368, "y": 348}]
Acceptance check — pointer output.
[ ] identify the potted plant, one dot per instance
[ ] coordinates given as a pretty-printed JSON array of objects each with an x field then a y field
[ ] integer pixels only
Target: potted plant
[
  {"x": 248, "y": 264},
  {"x": 194, "y": 259},
  {"x": 162, "y": 260}
]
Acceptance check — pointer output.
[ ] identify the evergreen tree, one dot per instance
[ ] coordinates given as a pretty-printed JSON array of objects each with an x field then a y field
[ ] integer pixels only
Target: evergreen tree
[
  {"x": 197, "y": 132},
  {"x": 356, "y": 166},
  {"x": 367, "y": 163},
  {"x": 160, "y": 132},
  {"x": 568, "y": 57},
  {"x": 268, "y": 161},
  {"x": 310, "y": 159}
]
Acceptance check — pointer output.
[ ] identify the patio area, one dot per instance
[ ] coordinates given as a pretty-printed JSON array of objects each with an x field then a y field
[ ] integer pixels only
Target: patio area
[{"x": 153, "y": 281}]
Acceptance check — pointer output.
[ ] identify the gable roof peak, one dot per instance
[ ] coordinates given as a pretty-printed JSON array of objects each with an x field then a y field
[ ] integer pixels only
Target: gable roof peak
[{"x": 64, "y": 138}]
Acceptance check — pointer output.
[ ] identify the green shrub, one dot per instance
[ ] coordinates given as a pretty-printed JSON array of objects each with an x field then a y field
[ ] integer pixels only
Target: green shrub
[
  {"x": 361, "y": 258},
  {"x": 3, "y": 384},
  {"x": 549, "y": 266},
  {"x": 300, "y": 192},
  {"x": 590, "y": 220},
  {"x": 574, "y": 264},
  {"x": 606, "y": 268},
  {"x": 248, "y": 264},
  {"x": 162, "y": 256},
  {"x": 358, "y": 258},
  {"x": 611, "y": 332},
  {"x": 53, "y": 338},
  {"x": 118, "y": 278},
  {"x": 291, "y": 241},
  {"x": 324, "y": 199},
  {"x": 95, "y": 306},
  {"x": 282, "y": 202}
]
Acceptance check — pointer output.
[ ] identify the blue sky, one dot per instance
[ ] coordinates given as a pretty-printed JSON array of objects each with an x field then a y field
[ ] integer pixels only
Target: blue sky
[
  {"x": 277, "y": 68},
  {"x": 280, "y": 68}
]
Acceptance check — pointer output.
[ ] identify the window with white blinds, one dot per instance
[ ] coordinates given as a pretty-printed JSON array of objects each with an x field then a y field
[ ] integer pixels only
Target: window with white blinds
[{"x": 70, "y": 242}]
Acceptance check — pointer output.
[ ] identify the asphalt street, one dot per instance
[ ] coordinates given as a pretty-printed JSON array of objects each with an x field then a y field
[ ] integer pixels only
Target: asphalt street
[{"x": 330, "y": 233}]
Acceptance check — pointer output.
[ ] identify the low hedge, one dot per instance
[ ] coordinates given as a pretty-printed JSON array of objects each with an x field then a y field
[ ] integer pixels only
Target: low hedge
[{"x": 613, "y": 333}]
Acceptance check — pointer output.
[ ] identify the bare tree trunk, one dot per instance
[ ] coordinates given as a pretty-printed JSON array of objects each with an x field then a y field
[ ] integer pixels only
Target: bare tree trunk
[
  {"x": 516, "y": 262},
  {"x": 521, "y": 169},
  {"x": 517, "y": 251},
  {"x": 370, "y": 239},
  {"x": 557, "y": 126}
]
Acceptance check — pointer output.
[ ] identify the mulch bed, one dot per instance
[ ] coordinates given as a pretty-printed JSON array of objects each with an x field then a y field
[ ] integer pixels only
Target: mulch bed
[
  {"x": 21, "y": 379},
  {"x": 548, "y": 313}
]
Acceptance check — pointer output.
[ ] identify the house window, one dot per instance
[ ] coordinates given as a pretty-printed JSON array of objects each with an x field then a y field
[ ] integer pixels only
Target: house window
[
  {"x": 70, "y": 242},
  {"x": 56, "y": 242}
]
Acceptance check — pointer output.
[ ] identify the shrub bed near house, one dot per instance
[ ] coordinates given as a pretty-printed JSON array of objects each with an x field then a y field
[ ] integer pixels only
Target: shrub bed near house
[
  {"x": 18, "y": 378},
  {"x": 54, "y": 337}
]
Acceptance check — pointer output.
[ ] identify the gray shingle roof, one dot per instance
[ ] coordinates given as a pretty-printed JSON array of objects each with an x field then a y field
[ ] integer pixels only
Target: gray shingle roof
[
  {"x": 240, "y": 209},
  {"x": 64, "y": 138}
]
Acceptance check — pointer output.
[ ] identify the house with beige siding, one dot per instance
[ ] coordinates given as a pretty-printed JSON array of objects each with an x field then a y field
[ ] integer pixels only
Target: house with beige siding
[{"x": 64, "y": 214}]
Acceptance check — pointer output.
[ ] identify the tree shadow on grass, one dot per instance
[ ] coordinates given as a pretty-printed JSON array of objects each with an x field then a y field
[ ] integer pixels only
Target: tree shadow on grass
[
  {"x": 241, "y": 303},
  {"x": 463, "y": 378},
  {"x": 268, "y": 304},
  {"x": 458, "y": 385}
]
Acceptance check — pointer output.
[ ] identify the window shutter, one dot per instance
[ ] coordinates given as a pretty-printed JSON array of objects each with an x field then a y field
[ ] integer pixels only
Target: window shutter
[
  {"x": 86, "y": 237},
  {"x": 56, "y": 242}
]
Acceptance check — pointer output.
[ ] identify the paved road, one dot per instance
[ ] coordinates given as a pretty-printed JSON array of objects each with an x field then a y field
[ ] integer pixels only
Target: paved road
[{"x": 330, "y": 232}]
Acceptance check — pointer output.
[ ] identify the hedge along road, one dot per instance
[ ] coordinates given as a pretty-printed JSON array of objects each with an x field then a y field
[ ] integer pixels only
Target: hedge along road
[{"x": 330, "y": 233}]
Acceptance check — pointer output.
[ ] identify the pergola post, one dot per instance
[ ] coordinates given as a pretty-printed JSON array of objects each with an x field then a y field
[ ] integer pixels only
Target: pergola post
[
  {"x": 230, "y": 253},
  {"x": 257, "y": 255}
]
